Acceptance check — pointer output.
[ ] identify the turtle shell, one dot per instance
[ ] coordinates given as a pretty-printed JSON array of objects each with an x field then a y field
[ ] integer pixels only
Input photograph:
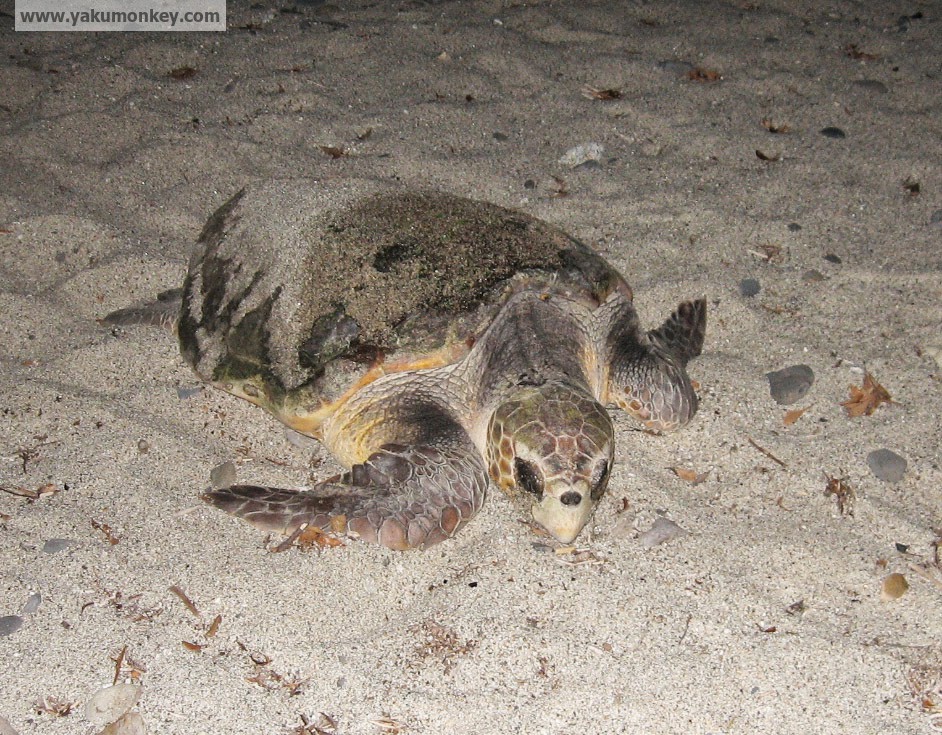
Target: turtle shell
[{"x": 298, "y": 292}]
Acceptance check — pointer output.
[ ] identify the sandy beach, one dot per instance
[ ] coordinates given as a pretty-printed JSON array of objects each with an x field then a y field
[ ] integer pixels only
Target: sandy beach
[{"x": 783, "y": 160}]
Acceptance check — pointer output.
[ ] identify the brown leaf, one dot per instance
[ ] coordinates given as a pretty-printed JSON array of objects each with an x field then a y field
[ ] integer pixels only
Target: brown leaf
[
  {"x": 841, "y": 489},
  {"x": 182, "y": 72},
  {"x": 894, "y": 587},
  {"x": 865, "y": 400},
  {"x": 334, "y": 151},
  {"x": 699, "y": 74},
  {"x": 771, "y": 157},
  {"x": 854, "y": 52},
  {"x": 690, "y": 476},
  {"x": 775, "y": 127},
  {"x": 53, "y": 706},
  {"x": 214, "y": 626},
  {"x": 186, "y": 601},
  {"x": 313, "y": 536},
  {"x": 195, "y": 647},
  {"x": 106, "y": 530},
  {"x": 792, "y": 416},
  {"x": 592, "y": 93}
]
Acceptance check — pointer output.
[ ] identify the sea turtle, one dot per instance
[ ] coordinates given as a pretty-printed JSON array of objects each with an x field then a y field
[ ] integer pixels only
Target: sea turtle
[{"x": 432, "y": 343}]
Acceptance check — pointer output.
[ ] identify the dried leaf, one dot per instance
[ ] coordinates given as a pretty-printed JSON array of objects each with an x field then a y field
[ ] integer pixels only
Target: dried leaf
[
  {"x": 182, "y": 72},
  {"x": 313, "y": 536},
  {"x": 106, "y": 530},
  {"x": 691, "y": 476},
  {"x": 771, "y": 157},
  {"x": 841, "y": 489},
  {"x": 792, "y": 416},
  {"x": 699, "y": 74},
  {"x": 561, "y": 189},
  {"x": 186, "y": 601},
  {"x": 854, "y": 52},
  {"x": 865, "y": 400},
  {"x": 894, "y": 587},
  {"x": 195, "y": 647},
  {"x": 53, "y": 706},
  {"x": 796, "y": 608},
  {"x": 593, "y": 93},
  {"x": 774, "y": 127},
  {"x": 389, "y": 725},
  {"x": 214, "y": 626},
  {"x": 334, "y": 151}
]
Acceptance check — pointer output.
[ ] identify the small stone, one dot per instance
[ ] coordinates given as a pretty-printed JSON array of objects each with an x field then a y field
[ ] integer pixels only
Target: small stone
[
  {"x": 813, "y": 276},
  {"x": 789, "y": 385},
  {"x": 675, "y": 66},
  {"x": 582, "y": 153},
  {"x": 143, "y": 446},
  {"x": 131, "y": 724},
  {"x": 108, "y": 704},
  {"x": 9, "y": 624},
  {"x": 886, "y": 465},
  {"x": 794, "y": 227},
  {"x": 184, "y": 393},
  {"x": 499, "y": 136},
  {"x": 529, "y": 184},
  {"x": 55, "y": 545},
  {"x": 832, "y": 132},
  {"x": 749, "y": 287},
  {"x": 661, "y": 532},
  {"x": 832, "y": 258},
  {"x": 222, "y": 476},
  {"x": 32, "y": 604},
  {"x": 936, "y": 218},
  {"x": 934, "y": 350},
  {"x": 871, "y": 85}
]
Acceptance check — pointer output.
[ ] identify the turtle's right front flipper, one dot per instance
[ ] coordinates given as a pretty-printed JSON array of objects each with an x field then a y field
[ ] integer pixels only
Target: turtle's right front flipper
[{"x": 402, "y": 497}]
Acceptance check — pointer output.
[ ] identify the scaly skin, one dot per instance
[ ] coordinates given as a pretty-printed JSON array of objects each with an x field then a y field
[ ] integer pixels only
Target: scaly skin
[{"x": 529, "y": 414}]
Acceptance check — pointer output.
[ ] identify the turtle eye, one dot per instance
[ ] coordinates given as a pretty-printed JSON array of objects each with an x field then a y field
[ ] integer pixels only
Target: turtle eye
[
  {"x": 599, "y": 479},
  {"x": 528, "y": 477}
]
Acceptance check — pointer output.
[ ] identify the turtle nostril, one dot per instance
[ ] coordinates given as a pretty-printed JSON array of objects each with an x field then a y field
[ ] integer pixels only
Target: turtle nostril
[{"x": 570, "y": 497}]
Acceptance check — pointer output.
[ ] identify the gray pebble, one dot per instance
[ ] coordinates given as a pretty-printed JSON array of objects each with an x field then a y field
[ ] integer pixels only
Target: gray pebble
[
  {"x": 32, "y": 604},
  {"x": 9, "y": 624},
  {"x": 661, "y": 532},
  {"x": 813, "y": 276},
  {"x": 871, "y": 85},
  {"x": 794, "y": 227},
  {"x": 749, "y": 287},
  {"x": 789, "y": 385},
  {"x": 223, "y": 476},
  {"x": 184, "y": 393},
  {"x": 936, "y": 218},
  {"x": 832, "y": 132},
  {"x": 55, "y": 545},
  {"x": 886, "y": 465},
  {"x": 675, "y": 66}
]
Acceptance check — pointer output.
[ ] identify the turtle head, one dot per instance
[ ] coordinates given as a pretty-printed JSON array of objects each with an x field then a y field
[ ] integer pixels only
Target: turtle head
[{"x": 550, "y": 449}]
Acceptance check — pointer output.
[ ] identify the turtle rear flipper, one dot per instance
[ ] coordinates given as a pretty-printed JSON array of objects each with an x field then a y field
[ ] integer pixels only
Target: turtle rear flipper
[
  {"x": 162, "y": 313},
  {"x": 400, "y": 497},
  {"x": 682, "y": 334},
  {"x": 647, "y": 372}
]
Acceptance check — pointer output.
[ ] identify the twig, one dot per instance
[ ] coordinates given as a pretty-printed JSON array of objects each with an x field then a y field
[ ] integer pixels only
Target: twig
[{"x": 768, "y": 454}]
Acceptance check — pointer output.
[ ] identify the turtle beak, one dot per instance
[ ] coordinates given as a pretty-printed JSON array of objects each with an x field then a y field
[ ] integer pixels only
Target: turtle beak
[{"x": 564, "y": 511}]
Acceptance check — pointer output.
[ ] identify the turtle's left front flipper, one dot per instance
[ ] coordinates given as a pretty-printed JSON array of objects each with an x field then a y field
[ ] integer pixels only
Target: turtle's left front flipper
[
  {"x": 402, "y": 497},
  {"x": 648, "y": 372}
]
